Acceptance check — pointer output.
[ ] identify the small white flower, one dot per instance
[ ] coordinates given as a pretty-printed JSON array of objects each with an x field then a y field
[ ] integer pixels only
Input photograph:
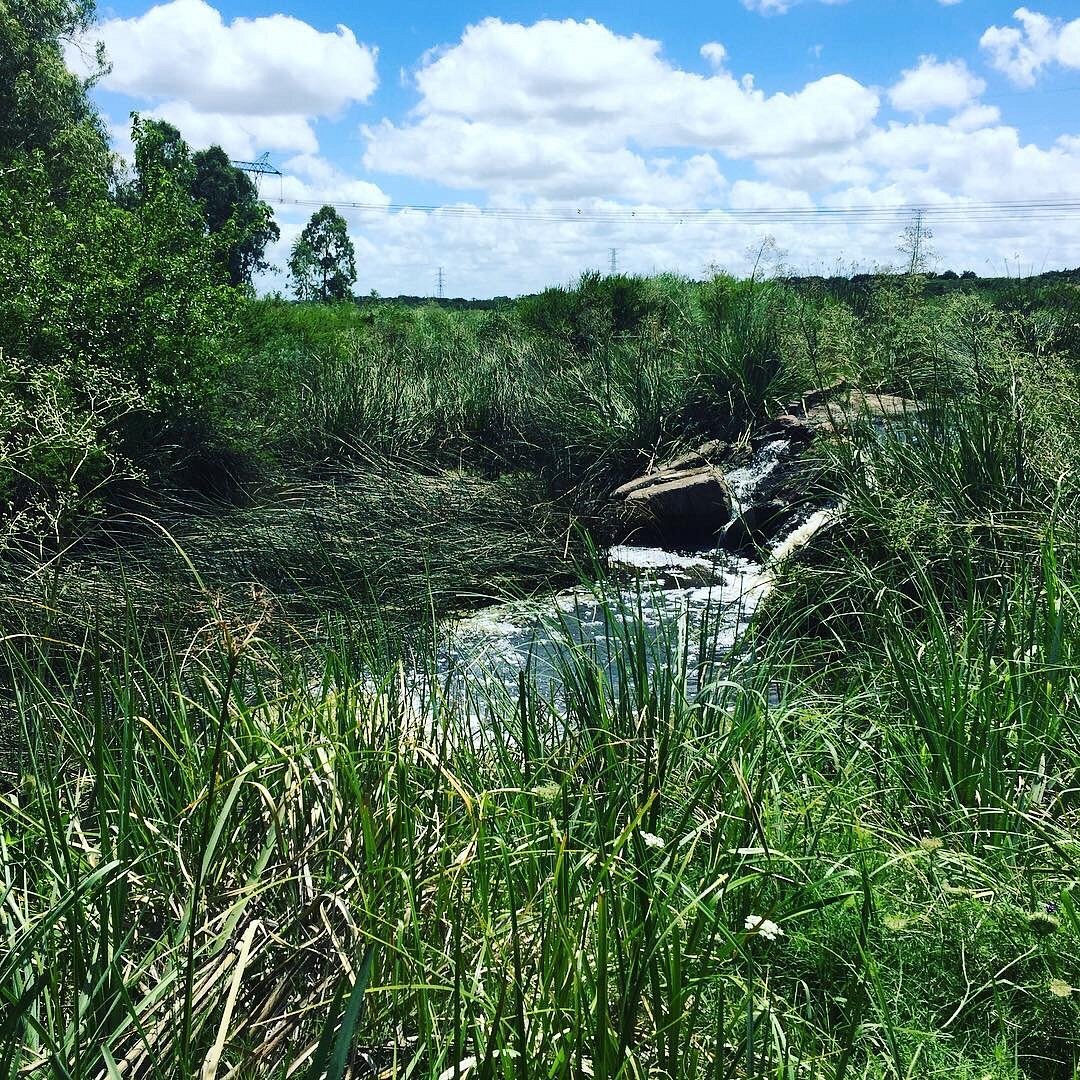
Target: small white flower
[
  {"x": 765, "y": 928},
  {"x": 652, "y": 840}
]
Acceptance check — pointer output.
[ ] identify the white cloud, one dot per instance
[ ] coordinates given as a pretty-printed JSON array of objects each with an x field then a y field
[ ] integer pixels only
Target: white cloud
[
  {"x": 271, "y": 66},
  {"x": 570, "y": 113},
  {"x": 581, "y": 110},
  {"x": 782, "y": 7},
  {"x": 714, "y": 52},
  {"x": 976, "y": 116},
  {"x": 240, "y": 136},
  {"x": 1023, "y": 52},
  {"x": 544, "y": 161},
  {"x": 935, "y": 84},
  {"x": 758, "y": 194},
  {"x": 310, "y": 178},
  {"x": 769, "y": 7}
]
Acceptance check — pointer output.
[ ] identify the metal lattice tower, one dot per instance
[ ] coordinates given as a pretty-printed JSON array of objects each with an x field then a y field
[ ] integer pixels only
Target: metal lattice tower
[
  {"x": 441, "y": 284},
  {"x": 261, "y": 166},
  {"x": 614, "y": 261}
]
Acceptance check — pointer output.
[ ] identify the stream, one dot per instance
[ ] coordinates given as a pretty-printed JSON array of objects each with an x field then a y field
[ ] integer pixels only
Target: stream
[{"x": 672, "y": 600}]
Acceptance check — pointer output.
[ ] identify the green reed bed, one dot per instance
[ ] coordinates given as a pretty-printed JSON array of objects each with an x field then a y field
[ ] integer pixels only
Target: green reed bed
[
  {"x": 214, "y": 864},
  {"x": 240, "y": 837}
]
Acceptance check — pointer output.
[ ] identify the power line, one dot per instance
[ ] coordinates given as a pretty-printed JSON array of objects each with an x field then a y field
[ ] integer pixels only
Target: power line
[{"x": 1045, "y": 209}]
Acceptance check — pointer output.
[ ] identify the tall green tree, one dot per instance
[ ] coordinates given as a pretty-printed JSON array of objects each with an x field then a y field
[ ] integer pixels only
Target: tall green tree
[
  {"x": 233, "y": 212},
  {"x": 159, "y": 149},
  {"x": 114, "y": 326},
  {"x": 323, "y": 260},
  {"x": 43, "y": 106},
  {"x": 232, "y": 206}
]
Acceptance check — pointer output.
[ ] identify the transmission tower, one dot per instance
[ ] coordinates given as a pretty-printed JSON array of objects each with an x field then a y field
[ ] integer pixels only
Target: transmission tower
[
  {"x": 441, "y": 286},
  {"x": 614, "y": 261},
  {"x": 261, "y": 166}
]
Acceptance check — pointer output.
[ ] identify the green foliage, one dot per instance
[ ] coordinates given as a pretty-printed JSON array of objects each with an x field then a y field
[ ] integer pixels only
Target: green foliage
[
  {"x": 323, "y": 262},
  {"x": 43, "y": 107},
  {"x": 231, "y": 201},
  {"x": 414, "y": 871},
  {"x": 741, "y": 358},
  {"x": 160, "y": 150},
  {"x": 111, "y": 335},
  {"x": 558, "y": 878},
  {"x": 233, "y": 214},
  {"x": 591, "y": 315}
]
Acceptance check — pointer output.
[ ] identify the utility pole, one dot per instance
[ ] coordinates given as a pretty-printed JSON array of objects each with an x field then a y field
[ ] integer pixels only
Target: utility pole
[
  {"x": 441, "y": 287},
  {"x": 614, "y": 261}
]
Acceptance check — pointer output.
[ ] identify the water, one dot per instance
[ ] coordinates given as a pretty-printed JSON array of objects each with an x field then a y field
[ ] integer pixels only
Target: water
[
  {"x": 747, "y": 479},
  {"x": 676, "y": 603},
  {"x": 668, "y": 599}
]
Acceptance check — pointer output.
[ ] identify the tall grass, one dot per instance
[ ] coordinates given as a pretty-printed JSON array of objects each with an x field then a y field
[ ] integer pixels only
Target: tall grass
[
  {"x": 214, "y": 864},
  {"x": 236, "y": 841},
  {"x": 574, "y": 382}
]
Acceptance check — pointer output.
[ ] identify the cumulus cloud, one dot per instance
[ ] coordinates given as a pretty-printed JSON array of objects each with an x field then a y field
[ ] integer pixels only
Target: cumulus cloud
[
  {"x": 714, "y": 52},
  {"x": 310, "y": 178},
  {"x": 579, "y": 108},
  {"x": 934, "y": 84},
  {"x": 248, "y": 84},
  {"x": 1022, "y": 52},
  {"x": 271, "y": 66},
  {"x": 242, "y": 136},
  {"x": 976, "y": 116},
  {"x": 538, "y": 161},
  {"x": 569, "y": 112},
  {"x": 585, "y": 115}
]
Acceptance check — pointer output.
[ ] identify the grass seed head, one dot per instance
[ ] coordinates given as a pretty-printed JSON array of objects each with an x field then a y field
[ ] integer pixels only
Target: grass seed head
[{"x": 1043, "y": 923}]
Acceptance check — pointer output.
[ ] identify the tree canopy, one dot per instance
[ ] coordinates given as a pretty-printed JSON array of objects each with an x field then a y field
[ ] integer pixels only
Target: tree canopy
[
  {"x": 43, "y": 106},
  {"x": 116, "y": 313},
  {"x": 229, "y": 199},
  {"x": 231, "y": 204},
  {"x": 323, "y": 260}
]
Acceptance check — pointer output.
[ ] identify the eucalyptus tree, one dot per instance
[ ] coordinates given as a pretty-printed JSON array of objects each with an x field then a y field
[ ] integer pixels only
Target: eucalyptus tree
[
  {"x": 323, "y": 261},
  {"x": 232, "y": 206},
  {"x": 44, "y": 109}
]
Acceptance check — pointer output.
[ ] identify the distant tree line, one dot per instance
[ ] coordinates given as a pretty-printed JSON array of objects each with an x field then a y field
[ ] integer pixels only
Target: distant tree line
[{"x": 450, "y": 303}]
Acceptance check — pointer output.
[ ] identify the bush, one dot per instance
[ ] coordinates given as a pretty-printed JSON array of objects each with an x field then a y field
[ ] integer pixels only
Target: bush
[{"x": 112, "y": 336}]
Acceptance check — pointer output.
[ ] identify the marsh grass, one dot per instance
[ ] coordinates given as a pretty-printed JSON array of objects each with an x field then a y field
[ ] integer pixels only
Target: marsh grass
[
  {"x": 216, "y": 864},
  {"x": 253, "y": 835}
]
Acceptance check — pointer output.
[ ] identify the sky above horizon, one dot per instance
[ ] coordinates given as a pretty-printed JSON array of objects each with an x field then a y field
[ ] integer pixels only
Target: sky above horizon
[{"x": 659, "y": 130}]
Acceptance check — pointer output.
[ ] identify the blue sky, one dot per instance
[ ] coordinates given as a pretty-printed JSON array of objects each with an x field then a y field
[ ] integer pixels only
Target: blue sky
[{"x": 624, "y": 112}]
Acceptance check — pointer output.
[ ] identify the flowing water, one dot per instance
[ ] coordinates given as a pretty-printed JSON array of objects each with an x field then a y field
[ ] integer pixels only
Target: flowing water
[{"x": 693, "y": 601}]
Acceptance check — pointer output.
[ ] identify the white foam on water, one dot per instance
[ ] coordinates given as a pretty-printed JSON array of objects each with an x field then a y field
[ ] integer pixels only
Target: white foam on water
[
  {"x": 745, "y": 480},
  {"x": 654, "y": 558},
  {"x": 676, "y": 597},
  {"x": 802, "y": 533}
]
